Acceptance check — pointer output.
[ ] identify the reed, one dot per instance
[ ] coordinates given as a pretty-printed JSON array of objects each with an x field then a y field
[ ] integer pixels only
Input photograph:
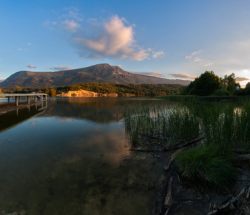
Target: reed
[{"x": 225, "y": 126}]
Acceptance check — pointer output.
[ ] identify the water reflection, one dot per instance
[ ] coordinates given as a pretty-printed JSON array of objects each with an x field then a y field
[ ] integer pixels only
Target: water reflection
[
  {"x": 96, "y": 109},
  {"x": 74, "y": 158},
  {"x": 18, "y": 115}
]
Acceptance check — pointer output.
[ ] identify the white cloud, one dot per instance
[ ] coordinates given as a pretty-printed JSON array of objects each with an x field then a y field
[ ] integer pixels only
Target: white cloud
[
  {"x": 114, "y": 39},
  {"x": 70, "y": 25},
  {"x": 31, "y": 66},
  {"x": 235, "y": 56},
  {"x": 183, "y": 76},
  {"x": 60, "y": 68},
  {"x": 158, "y": 54},
  {"x": 239, "y": 79},
  {"x": 154, "y": 74},
  {"x": 69, "y": 19},
  {"x": 1, "y": 77},
  {"x": 194, "y": 56}
]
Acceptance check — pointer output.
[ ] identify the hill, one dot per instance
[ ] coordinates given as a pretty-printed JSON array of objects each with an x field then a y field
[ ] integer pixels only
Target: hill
[{"x": 102, "y": 73}]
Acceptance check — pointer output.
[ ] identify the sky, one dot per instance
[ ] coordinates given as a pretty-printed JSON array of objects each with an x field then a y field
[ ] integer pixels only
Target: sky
[{"x": 164, "y": 38}]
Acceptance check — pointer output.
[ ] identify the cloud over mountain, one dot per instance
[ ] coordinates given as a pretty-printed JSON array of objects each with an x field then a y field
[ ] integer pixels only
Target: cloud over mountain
[
  {"x": 31, "y": 66},
  {"x": 60, "y": 68},
  {"x": 114, "y": 38},
  {"x": 153, "y": 74},
  {"x": 183, "y": 76}
]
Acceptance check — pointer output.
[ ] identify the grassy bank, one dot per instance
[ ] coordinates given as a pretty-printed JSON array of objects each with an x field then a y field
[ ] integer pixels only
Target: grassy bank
[{"x": 225, "y": 126}]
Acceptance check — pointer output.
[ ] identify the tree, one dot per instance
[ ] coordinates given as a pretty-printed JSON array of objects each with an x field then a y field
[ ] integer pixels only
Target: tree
[
  {"x": 206, "y": 84},
  {"x": 248, "y": 86},
  {"x": 246, "y": 91},
  {"x": 52, "y": 92},
  {"x": 229, "y": 83}
]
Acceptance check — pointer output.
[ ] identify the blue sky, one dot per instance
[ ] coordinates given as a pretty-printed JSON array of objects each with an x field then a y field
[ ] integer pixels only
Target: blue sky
[{"x": 168, "y": 38}]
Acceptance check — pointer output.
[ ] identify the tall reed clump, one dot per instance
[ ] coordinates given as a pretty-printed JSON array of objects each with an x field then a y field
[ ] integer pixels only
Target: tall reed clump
[
  {"x": 168, "y": 125},
  {"x": 227, "y": 129}
]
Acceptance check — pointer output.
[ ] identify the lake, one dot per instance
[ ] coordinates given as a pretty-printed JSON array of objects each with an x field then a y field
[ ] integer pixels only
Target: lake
[
  {"x": 82, "y": 156},
  {"x": 75, "y": 158}
]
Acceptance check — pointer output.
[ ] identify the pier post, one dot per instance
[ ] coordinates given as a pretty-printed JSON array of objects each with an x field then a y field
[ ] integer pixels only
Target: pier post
[{"x": 17, "y": 100}]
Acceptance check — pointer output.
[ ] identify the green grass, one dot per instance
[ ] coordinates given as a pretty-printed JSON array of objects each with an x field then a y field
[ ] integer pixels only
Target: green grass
[{"x": 206, "y": 164}]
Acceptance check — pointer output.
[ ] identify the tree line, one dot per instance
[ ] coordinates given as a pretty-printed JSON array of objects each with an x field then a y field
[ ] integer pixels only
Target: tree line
[
  {"x": 150, "y": 90},
  {"x": 208, "y": 83}
]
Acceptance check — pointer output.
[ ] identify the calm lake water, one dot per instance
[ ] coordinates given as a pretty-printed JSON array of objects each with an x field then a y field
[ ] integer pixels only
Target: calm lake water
[
  {"x": 74, "y": 158},
  {"x": 78, "y": 156}
]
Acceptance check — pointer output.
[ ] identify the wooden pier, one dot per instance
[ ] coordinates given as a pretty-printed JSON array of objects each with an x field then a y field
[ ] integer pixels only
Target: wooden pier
[{"x": 28, "y": 97}]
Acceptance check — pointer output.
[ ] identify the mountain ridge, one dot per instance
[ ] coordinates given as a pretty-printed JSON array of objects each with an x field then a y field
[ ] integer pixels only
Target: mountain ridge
[{"x": 103, "y": 73}]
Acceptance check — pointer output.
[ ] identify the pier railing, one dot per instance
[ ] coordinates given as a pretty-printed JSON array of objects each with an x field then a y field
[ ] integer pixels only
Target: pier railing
[{"x": 35, "y": 97}]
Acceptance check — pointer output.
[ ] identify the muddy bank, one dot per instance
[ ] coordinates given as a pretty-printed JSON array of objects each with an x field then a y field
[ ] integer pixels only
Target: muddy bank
[{"x": 179, "y": 196}]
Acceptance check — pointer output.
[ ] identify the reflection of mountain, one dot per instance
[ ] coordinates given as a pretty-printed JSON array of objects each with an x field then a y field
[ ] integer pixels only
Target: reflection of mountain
[
  {"x": 15, "y": 117},
  {"x": 94, "y": 109},
  {"x": 57, "y": 166}
]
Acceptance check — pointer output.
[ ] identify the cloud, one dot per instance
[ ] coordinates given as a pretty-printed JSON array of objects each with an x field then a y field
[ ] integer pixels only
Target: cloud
[
  {"x": 69, "y": 20},
  {"x": 195, "y": 57},
  {"x": 60, "y": 68},
  {"x": 31, "y": 66},
  {"x": 240, "y": 79},
  {"x": 158, "y": 54},
  {"x": 114, "y": 39},
  {"x": 1, "y": 78},
  {"x": 235, "y": 56},
  {"x": 70, "y": 25},
  {"x": 25, "y": 47},
  {"x": 154, "y": 74},
  {"x": 183, "y": 76}
]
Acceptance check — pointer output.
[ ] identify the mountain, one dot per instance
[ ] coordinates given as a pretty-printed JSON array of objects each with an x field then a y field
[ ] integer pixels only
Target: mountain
[{"x": 104, "y": 73}]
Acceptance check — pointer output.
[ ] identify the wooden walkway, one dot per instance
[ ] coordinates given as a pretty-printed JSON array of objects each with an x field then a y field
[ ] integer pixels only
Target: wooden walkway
[{"x": 28, "y": 97}]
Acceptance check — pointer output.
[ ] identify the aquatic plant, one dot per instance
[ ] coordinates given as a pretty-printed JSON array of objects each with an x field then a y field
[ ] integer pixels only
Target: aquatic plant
[
  {"x": 167, "y": 125},
  {"x": 225, "y": 126}
]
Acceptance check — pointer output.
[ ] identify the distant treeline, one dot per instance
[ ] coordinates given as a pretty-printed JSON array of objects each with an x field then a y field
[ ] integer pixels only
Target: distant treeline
[
  {"x": 208, "y": 84},
  {"x": 122, "y": 90}
]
